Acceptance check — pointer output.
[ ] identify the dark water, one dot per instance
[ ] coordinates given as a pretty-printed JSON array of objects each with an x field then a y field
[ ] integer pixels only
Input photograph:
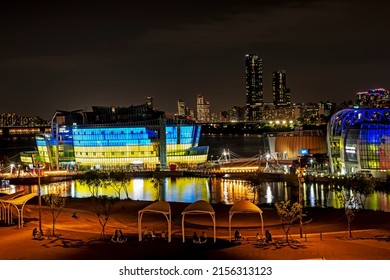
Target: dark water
[
  {"x": 237, "y": 145},
  {"x": 214, "y": 190}
]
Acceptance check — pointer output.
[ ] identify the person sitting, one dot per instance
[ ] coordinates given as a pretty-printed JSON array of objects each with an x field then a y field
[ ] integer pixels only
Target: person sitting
[
  {"x": 152, "y": 235},
  {"x": 115, "y": 236},
  {"x": 258, "y": 238},
  {"x": 120, "y": 237},
  {"x": 35, "y": 233},
  {"x": 237, "y": 235},
  {"x": 145, "y": 233},
  {"x": 268, "y": 236},
  {"x": 203, "y": 237},
  {"x": 195, "y": 237},
  {"x": 163, "y": 235}
]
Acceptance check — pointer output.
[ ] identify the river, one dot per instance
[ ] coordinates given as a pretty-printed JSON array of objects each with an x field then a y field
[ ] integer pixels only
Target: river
[{"x": 215, "y": 190}]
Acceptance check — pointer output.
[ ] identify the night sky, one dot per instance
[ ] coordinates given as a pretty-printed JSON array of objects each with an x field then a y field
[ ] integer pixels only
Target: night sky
[{"x": 67, "y": 55}]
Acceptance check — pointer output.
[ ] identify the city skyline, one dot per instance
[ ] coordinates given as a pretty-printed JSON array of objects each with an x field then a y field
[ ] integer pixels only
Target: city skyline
[{"x": 69, "y": 56}]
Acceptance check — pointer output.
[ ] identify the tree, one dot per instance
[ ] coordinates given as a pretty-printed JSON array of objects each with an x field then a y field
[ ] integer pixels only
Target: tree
[
  {"x": 95, "y": 181},
  {"x": 157, "y": 182},
  {"x": 288, "y": 214},
  {"x": 350, "y": 204},
  {"x": 56, "y": 203},
  {"x": 103, "y": 208},
  {"x": 118, "y": 180},
  {"x": 103, "y": 204}
]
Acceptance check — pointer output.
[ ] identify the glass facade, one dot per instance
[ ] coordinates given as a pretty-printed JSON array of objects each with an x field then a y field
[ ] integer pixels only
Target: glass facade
[
  {"x": 359, "y": 140},
  {"x": 122, "y": 146}
]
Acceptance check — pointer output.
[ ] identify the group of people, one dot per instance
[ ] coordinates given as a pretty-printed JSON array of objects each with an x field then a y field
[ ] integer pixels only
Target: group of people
[
  {"x": 199, "y": 239},
  {"x": 151, "y": 234},
  {"x": 118, "y": 236}
]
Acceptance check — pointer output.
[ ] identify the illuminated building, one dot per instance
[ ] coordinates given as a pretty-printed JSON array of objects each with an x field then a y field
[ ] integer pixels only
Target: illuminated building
[
  {"x": 202, "y": 109},
  {"x": 135, "y": 137},
  {"x": 280, "y": 92},
  {"x": 253, "y": 87},
  {"x": 181, "y": 108},
  {"x": 359, "y": 140}
]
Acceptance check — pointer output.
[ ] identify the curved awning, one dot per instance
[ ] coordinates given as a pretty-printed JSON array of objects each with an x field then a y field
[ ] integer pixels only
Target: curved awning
[
  {"x": 19, "y": 203},
  {"x": 245, "y": 206},
  {"x": 161, "y": 207},
  {"x": 199, "y": 207}
]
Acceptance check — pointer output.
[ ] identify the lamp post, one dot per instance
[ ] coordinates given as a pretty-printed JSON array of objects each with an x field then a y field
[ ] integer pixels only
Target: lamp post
[
  {"x": 39, "y": 200},
  {"x": 11, "y": 166},
  {"x": 300, "y": 181}
]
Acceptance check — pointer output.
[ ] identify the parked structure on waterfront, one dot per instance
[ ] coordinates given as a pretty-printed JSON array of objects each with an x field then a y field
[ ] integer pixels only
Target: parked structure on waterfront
[{"x": 135, "y": 137}]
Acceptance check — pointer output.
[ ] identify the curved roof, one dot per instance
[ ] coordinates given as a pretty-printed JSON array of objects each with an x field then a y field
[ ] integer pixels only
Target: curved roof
[
  {"x": 157, "y": 207},
  {"x": 244, "y": 206},
  {"x": 200, "y": 206},
  {"x": 161, "y": 207}
]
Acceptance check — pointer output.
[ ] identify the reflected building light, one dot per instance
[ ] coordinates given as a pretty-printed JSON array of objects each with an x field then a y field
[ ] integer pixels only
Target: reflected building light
[
  {"x": 73, "y": 189},
  {"x": 304, "y": 189},
  {"x": 269, "y": 195},
  {"x": 285, "y": 192},
  {"x": 312, "y": 196},
  {"x": 138, "y": 188}
]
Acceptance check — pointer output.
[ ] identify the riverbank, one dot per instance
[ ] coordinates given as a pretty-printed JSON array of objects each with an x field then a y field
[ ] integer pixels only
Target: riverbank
[{"x": 78, "y": 230}]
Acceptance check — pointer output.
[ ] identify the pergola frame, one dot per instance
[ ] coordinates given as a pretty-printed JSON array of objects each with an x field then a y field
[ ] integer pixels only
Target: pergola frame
[
  {"x": 244, "y": 206},
  {"x": 162, "y": 207},
  {"x": 199, "y": 207},
  {"x": 19, "y": 203}
]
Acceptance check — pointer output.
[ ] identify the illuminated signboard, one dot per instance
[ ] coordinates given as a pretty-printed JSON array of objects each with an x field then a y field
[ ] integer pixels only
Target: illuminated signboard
[{"x": 304, "y": 151}]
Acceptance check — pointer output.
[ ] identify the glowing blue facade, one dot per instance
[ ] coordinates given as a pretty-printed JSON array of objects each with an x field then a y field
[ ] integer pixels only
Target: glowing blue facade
[
  {"x": 359, "y": 140},
  {"x": 130, "y": 145}
]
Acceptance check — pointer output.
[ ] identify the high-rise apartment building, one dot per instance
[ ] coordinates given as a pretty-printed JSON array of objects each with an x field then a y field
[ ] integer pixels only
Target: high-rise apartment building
[
  {"x": 254, "y": 87},
  {"x": 202, "y": 109},
  {"x": 181, "y": 108},
  {"x": 280, "y": 93}
]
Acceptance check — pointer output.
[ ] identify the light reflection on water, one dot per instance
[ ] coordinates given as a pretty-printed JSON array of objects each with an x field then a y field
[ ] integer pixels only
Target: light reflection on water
[{"x": 214, "y": 190}]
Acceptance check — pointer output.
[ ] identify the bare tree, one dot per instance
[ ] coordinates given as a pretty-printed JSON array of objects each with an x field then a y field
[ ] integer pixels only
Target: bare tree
[
  {"x": 288, "y": 214},
  {"x": 103, "y": 208},
  {"x": 56, "y": 203},
  {"x": 350, "y": 204},
  {"x": 103, "y": 204}
]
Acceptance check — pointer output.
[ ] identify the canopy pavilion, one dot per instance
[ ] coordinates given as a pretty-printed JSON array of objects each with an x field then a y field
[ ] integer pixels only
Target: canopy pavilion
[{"x": 244, "y": 206}]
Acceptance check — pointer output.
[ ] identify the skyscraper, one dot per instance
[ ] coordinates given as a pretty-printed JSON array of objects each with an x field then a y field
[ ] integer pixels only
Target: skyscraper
[
  {"x": 280, "y": 93},
  {"x": 181, "y": 108},
  {"x": 202, "y": 109},
  {"x": 254, "y": 87}
]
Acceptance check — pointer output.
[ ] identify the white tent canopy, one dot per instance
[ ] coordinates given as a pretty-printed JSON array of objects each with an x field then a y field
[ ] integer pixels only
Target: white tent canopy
[
  {"x": 244, "y": 206},
  {"x": 162, "y": 207},
  {"x": 199, "y": 207}
]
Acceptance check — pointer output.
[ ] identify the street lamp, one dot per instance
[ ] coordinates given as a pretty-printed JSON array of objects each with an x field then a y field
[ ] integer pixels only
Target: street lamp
[
  {"x": 39, "y": 200},
  {"x": 301, "y": 179}
]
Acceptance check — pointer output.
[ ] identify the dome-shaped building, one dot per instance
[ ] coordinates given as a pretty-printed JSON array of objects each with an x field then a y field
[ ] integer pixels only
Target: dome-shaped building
[{"x": 358, "y": 140}]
